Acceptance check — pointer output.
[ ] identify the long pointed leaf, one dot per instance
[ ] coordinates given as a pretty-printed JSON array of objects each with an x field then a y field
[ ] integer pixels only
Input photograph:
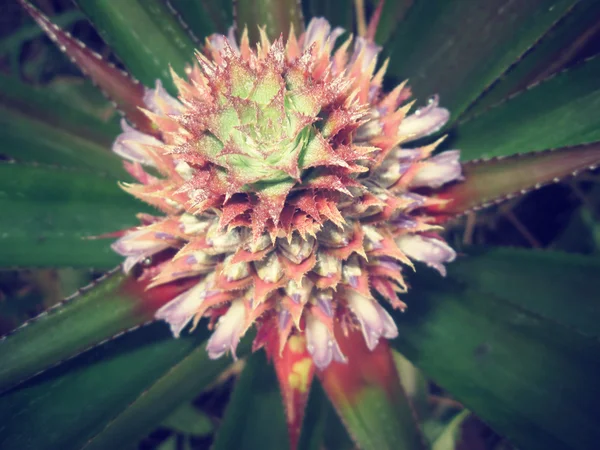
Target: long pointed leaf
[
  {"x": 492, "y": 181},
  {"x": 457, "y": 49},
  {"x": 277, "y": 16},
  {"x": 369, "y": 398},
  {"x": 145, "y": 34},
  {"x": 183, "y": 381},
  {"x": 254, "y": 417},
  {"x": 199, "y": 17},
  {"x": 550, "y": 55},
  {"x": 111, "y": 396},
  {"x": 101, "y": 311},
  {"x": 513, "y": 335},
  {"x": 126, "y": 92},
  {"x": 27, "y": 139},
  {"x": 559, "y": 112},
  {"x": 48, "y": 212},
  {"x": 50, "y": 105}
]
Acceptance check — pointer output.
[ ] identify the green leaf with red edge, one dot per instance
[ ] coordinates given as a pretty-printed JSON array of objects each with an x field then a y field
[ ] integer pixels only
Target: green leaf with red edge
[
  {"x": 97, "y": 313},
  {"x": 561, "y": 111},
  {"x": 61, "y": 105},
  {"x": 457, "y": 49},
  {"x": 254, "y": 417},
  {"x": 146, "y": 36},
  {"x": 48, "y": 213},
  {"x": 276, "y": 16},
  {"x": 368, "y": 396},
  {"x": 491, "y": 181},
  {"x": 554, "y": 52},
  {"x": 126, "y": 92},
  {"x": 513, "y": 334},
  {"x": 112, "y": 396}
]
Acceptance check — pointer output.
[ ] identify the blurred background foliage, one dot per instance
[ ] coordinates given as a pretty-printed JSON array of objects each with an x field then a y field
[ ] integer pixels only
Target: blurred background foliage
[{"x": 564, "y": 216}]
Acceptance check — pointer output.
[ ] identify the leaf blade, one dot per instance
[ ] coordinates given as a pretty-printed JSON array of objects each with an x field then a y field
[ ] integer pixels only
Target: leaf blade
[
  {"x": 558, "y": 112},
  {"x": 126, "y": 92},
  {"x": 493, "y": 181},
  {"x": 105, "y": 309},
  {"x": 49, "y": 213},
  {"x": 502, "y": 356},
  {"x": 115, "y": 392},
  {"x": 368, "y": 396},
  {"x": 145, "y": 35},
  {"x": 256, "y": 390},
  {"x": 433, "y": 50}
]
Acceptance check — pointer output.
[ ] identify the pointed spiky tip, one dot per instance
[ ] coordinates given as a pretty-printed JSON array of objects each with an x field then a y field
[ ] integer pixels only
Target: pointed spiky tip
[{"x": 287, "y": 191}]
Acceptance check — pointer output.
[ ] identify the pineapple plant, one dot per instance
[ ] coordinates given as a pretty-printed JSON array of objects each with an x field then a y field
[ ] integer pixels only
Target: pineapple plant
[{"x": 291, "y": 199}]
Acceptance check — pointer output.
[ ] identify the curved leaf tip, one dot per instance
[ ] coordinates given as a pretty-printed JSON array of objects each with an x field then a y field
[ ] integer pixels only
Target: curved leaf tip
[{"x": 126, "y": 92}]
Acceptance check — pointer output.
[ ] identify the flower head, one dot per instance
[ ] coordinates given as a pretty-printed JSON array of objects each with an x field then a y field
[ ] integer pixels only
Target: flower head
[{"x": 287, "y": 190}]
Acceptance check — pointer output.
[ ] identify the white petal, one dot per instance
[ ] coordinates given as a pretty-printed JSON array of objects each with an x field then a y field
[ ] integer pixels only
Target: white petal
[
  {"x": 439, "y": 170},
  {"x": 130, "y": 144},
  {"x": 179, "y": 311},
  {"x": 159, "y": 101},
  {"x": 321, "y": 345},
  {"x": 374, "y": 320},
  {"x": 424, "y": 121},
  {"x": 431, "y": 251},
  {"x": 229, "y": 329}
]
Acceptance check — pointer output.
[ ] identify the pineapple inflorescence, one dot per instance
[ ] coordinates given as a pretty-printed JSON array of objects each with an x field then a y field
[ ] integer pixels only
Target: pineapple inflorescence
[{"x": 287, "y": 192}]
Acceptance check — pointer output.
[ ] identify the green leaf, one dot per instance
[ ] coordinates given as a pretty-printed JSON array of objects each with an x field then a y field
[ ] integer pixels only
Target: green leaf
[
  {"x": 457, "y": 49},
  {"x": 189, "y": 419},
  {"x": 49, "y": 212},
  {"x": 339, "y": 13},
  {"x": 27, "y": 139},
  {"x": 415, "y": 385},
  {"x": 183, "y": 381},
  {"x": 450, "y": 437},
  {"x": 276, "y": 16},
  {"x": 559, "y": 112},
  {"x": 126, "y": 92},
  {"x": 556, "y": 51},
  {"x": 254, "y": 417},
  {"x": 110, "y": 396},
  {"x": 392, "y": 17},
  {"x": 316, "y": 415},
  {"x": 199, "y": 16},
  {"x": 101, "y": 311},
  {"x": 369, "y": 397},
  {"x": 71, "y": 104},
  {"x": 513, "y": 335},
  {"x": 145, "y": 35},
  {"x": 491, "y": 181}
]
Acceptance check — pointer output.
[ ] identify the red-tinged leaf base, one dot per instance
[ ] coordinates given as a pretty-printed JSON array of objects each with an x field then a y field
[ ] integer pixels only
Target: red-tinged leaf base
[
  {"x": 491, "y": 181},
  {"x": 119, "y": 87},
  {"x": 295, "y": 370},
  {"x": 368, "y": 396}
]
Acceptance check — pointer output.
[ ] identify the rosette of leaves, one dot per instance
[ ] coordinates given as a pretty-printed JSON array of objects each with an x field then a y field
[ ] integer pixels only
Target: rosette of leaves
[{"x": 511, "y": 334}]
